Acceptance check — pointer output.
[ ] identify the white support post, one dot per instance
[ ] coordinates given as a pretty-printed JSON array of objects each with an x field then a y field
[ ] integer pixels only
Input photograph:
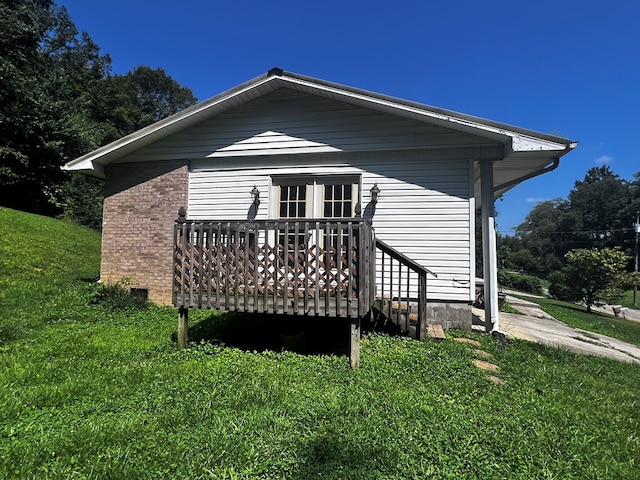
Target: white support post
[{"x": 489, "y": 251}]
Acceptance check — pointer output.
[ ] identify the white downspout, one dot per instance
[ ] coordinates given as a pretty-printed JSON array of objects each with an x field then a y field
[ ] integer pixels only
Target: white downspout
[{"x": 489, "y": 251}]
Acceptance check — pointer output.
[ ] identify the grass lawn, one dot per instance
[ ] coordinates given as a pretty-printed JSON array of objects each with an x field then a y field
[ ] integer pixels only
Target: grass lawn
[
  {"x": 89, "y": 391},
  {"x": 627, "y": 300}
]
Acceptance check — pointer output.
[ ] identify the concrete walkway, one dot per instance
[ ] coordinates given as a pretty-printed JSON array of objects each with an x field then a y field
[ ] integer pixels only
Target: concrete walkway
[{"x": 537, "y": 326}]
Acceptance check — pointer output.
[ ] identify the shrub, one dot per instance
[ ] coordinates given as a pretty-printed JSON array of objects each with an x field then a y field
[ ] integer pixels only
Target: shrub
[
  {"x": 524, "y": 283},
  {"x": 118, "y": 296},
  {"x": 559, "y": 289}
]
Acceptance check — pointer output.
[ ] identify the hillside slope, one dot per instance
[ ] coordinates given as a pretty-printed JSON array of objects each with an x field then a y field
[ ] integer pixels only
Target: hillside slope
[
  {"x": 91, "y": 391},
  {"x": 44, "y": 263}
]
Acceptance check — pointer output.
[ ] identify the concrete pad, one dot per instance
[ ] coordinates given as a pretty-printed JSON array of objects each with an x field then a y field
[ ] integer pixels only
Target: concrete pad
[
  {"x": 538, "y": 326},
  {"x": 486, "y": 366},
  {"x": 468, "y": 341},
  {"x": 482, "y": 354}
]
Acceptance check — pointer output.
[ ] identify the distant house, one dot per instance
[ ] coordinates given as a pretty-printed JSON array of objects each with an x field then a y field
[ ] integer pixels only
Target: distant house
[{"x": 303, "y": 196}]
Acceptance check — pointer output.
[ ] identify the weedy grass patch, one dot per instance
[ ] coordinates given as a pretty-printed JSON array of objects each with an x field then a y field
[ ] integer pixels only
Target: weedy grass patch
[
  {"x": 91, "y": 391},
  {"x": 508, "y": 308}
]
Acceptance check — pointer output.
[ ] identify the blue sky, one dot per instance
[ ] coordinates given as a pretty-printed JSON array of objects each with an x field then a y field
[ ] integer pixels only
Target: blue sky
[{"x": 567, "y": 67}]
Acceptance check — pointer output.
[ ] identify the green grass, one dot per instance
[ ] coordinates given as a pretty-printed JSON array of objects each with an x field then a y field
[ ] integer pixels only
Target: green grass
[
  {"x": 545, "y": 283},
  {"x": 46, "y": 267},
  {"x": 577, "y": 316},
  {"x": 507, "y": 308},
  {"x": 627, "y": 300},
  {"x": 90, "y": 392}
]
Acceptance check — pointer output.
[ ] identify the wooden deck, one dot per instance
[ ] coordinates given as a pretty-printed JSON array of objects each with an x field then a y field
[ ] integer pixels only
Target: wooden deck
[
  {"x": 309, "y": 267},
  {"x": 312, "y": 267}
]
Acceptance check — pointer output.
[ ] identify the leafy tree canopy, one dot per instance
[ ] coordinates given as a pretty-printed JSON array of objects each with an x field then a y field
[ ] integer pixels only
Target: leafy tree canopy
[
  {"x": 47, "y": 73},
  {"x": 596, "y": 203},
  {"x": 595, "y": 274},
  {"x": 141, "y": 97},
  {"x": 598, "y": 212},
  {"x": 59, "y": 100}
]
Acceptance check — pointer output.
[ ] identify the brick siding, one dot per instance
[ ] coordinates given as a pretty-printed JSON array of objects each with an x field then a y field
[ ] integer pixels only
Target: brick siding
[{"x": 140, "y": 207}]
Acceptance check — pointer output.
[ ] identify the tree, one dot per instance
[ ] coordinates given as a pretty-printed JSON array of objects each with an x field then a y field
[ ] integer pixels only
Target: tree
[
  {"x": 598, "y": 202},
  {"x": 121, "y": 105},
  {"x": 595, "y": 274},
  {"x": 82, "y": 199},
  {"x": 599, "y": 212},
  {"x": 58, "y": 101},
  {"x": 628, "y": 214},
  {"x": 46, "y": 73},
  {"x": 141, "y": 97},
  {"x": 547, "y": 234}
]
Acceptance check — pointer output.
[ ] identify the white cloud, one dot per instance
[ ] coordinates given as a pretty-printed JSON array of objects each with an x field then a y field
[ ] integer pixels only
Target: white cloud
[
  {"x": 603, "y": 160},
  {"x": 536, "y": 200}
]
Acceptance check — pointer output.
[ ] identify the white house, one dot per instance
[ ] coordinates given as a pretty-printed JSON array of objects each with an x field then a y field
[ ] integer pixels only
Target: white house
[{"x": 316, "y": 150}]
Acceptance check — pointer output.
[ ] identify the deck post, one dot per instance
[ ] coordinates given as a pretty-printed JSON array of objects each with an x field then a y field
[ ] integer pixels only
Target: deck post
[
  {"x": 354, "y": 356},
  {"x": 183, "y": 327},
  {"x": 421, "y": 328}
]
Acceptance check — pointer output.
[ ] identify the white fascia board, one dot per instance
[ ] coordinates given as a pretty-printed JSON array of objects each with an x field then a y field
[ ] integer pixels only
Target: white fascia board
[
  {"x": 88, "y": 167},
  {"x": 76, "y": 165},
  {"x": 522, "y": 143}
]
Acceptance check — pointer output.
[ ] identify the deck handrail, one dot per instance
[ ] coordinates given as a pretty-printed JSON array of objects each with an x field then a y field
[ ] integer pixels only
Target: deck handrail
[
  {"x": 290, "y": 266},
  {"x": 391, "y": 287},
  {"x": 416, "y": 267}
]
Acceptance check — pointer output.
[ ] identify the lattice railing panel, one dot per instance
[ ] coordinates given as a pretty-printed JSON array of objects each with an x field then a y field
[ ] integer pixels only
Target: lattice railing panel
[{"x": 231, "y": 265}]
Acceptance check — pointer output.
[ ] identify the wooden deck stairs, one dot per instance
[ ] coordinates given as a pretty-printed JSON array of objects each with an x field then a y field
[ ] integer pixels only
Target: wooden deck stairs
[{"x": 402, "y": 318}]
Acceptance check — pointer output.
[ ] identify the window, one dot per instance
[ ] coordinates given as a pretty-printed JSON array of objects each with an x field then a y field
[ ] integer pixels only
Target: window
[
  {"x": 292, "y": 204},
  {"x": 293, "y": 201},
  {"x": 316, "y": 197},
  {"x": 327, "y": 197},
  {"x": 338, "y": 200}
]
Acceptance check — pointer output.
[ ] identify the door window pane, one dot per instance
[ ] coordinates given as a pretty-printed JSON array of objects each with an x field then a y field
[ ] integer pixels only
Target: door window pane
[
  {"x": 337, "y": 204},
  {"x": 337, "y": 201},
  {"x": 293, "y": 201}
]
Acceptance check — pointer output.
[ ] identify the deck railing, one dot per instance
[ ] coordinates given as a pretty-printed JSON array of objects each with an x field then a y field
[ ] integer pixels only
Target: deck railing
[
  {"x": 309, "y": 267},
  {"x": 402, "y": 290}
]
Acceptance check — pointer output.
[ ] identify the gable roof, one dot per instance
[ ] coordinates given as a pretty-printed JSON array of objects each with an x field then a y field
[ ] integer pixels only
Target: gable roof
[{"x": 526, "y": 152}]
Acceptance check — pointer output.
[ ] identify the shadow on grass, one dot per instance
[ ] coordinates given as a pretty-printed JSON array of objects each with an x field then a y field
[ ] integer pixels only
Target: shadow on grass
[
  {"x": 305, "y": 335},
  {"x": 333, "y": 454}
]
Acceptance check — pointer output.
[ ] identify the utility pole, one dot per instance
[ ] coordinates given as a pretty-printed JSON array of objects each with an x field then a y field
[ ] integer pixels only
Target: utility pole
[{"x": 636, "y": 227}]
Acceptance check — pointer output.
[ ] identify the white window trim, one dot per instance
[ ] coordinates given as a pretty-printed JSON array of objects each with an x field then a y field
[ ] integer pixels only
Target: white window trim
[{"x": 315, "y": 192}]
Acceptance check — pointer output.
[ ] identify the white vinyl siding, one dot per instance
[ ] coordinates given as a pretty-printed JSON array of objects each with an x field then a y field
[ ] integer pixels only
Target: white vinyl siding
[
  {"x": 426, "y": 200},
  {"x": 423, "y": 210},
  {"x": 287, "y": 122}
]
